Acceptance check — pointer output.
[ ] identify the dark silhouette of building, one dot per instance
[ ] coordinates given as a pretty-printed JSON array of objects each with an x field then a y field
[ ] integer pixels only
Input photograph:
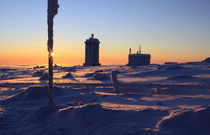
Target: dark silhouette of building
[
  {"x": 207, "y": 60},
  {"x": 92, "y": 52},
  {"x": 138, "y": 59}
]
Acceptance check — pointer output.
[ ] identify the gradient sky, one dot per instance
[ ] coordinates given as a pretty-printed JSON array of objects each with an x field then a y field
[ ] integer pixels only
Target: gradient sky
[{"x": 170, "y": 30}]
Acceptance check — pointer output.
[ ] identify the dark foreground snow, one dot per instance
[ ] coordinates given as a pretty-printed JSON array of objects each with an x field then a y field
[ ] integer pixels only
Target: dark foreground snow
[{"x": 24, "y": 109}]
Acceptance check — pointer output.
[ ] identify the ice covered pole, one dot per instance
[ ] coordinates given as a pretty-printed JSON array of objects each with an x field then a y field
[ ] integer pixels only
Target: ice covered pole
[{"x": 51, "y": 12}]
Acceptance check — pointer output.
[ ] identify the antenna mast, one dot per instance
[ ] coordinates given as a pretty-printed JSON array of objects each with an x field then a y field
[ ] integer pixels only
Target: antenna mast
[{"x": 139, "y": 49}]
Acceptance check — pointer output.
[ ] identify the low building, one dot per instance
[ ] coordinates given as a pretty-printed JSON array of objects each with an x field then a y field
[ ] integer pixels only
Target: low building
[
  {"x": 138, "y": 59},
  {"x": 207, "y": 60}
]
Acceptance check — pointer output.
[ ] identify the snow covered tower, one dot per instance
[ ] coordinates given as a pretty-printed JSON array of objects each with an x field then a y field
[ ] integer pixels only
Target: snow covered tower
[
  {"x": 138, "y": 59},
  {"x": 92, "y": 52}
]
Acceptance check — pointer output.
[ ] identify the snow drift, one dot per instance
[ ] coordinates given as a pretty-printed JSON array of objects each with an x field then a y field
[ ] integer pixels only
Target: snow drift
[{"x": 187, "y": 121}]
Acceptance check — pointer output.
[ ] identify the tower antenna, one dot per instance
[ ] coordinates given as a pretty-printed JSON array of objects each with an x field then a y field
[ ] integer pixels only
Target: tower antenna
[{"x": 139, "y": 48}]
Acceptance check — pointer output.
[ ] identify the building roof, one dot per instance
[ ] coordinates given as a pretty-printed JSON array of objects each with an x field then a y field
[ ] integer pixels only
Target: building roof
[{"x": 92, "y": 39}]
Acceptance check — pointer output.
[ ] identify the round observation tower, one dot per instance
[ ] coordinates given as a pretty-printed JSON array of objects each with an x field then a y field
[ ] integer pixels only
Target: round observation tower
[{"x": 92, "y": 52}]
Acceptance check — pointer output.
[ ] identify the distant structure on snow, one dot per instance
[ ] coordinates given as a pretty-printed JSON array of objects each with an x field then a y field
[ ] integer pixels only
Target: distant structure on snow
[
  {"x": 207, "y": 60},
  {"x": 138, "y": 59},
  {"x": 171, "y": 62},
  {"x": 92, "y": 52}
]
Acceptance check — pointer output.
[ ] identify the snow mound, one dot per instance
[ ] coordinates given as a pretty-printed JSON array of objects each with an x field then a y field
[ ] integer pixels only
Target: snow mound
[
  {"x": 91, "y": 74},
  {"x": 4, "y": 76},
  {"x": 88, "y": 119},
  {"x": 42, "y": 113},
  {"x": 88, "y": 75},
  {"x": 44, "y": 77},
  {"x": 187, "y": 121},
  {"x": 68, "y": 75},
  {"x": 95, "y": 120},
  {"x": 34, "y": 93},
  {"x": 101, "y": 76}
]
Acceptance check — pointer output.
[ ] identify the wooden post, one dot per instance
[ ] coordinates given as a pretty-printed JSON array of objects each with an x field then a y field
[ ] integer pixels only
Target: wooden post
[
  {"x": 52, "y": 10},
  {"x": 114, "y": 80},
  {"x": 157, "y": 90}
]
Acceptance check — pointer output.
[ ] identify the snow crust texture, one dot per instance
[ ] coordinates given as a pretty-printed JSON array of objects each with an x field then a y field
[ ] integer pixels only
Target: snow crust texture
[{"x": 80, "y": 110}]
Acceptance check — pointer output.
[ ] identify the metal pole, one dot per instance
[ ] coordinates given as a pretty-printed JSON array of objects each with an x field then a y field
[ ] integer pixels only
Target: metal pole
[{"x": 114, "y": 81}]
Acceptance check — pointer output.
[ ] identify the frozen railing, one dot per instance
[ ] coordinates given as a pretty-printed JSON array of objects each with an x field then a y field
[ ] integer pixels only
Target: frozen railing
[{"x": 117, "y": 86}]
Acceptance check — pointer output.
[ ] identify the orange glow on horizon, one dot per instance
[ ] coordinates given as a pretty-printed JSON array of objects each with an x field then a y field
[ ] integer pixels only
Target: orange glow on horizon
[{"x": 73, "y": 56}]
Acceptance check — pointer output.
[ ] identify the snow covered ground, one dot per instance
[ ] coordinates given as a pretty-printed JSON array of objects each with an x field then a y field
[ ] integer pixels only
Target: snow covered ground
[{"x": 24, "y": 107}]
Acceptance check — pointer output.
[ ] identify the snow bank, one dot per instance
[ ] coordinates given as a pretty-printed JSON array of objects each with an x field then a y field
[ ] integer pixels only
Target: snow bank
[
  {"x": 93, "y": 119},
  {"x": 87, "y": 119},
  {"x": 34, "y": 93},
  {"x": 187, "y": 121}
]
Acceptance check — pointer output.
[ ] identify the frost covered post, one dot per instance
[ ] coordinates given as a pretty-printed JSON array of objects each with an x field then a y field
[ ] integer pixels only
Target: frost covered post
[
  {"x": 51, "y": 12},
  {"x": 114, "y": 80}
]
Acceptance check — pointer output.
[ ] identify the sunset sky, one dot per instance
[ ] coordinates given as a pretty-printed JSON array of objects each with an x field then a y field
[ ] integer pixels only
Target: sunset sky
[{"x": 170, "y": 30}]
